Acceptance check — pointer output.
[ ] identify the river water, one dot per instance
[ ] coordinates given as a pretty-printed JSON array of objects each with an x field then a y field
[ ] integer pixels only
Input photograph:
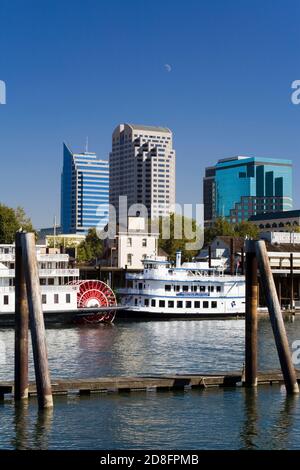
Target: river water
[{"x": 205, "y": 419}]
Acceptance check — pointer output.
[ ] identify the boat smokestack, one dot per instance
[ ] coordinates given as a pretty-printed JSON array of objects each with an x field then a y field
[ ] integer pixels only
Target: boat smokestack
[{"x": 178, "y": 259}]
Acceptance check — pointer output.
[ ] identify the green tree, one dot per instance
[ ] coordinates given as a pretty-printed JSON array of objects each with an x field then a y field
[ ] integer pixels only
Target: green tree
[
  {"x": 11, "y": 220},
  {"x": 23, "y": 220},
  {"x": 91, "y": 248},
  {"x": 246, "y": 229},
  {"x": 220, "y": 227},
  {"x": 171, "y": 244}
]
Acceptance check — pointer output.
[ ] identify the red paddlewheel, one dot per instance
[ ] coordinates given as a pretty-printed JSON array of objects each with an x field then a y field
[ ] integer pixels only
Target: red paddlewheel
[{"x": 94, "y": 294}]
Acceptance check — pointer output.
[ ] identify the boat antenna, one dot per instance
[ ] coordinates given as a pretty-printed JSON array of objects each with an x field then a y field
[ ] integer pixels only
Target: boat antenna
[{"x": 87, "y": 145}]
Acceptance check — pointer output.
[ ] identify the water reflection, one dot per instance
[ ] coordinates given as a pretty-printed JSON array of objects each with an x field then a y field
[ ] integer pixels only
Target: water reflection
[
  {"x": 42, "y": 428},
  {"x": 271, "y": 426},
  {"x": 22, "y": 438},
  {"x": 250, "y": 426},
  {"x": 32, "y": 430},
  {"x": 283, "y": 424}
]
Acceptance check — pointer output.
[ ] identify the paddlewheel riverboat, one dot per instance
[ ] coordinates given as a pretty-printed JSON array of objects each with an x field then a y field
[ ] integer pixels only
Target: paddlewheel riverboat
[
  {"x": 184, "y": 291},
  {"x": 65, "y": 297}
]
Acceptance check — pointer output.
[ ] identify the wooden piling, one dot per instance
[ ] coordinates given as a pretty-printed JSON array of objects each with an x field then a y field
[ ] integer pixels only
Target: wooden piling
[
  {"x": 279, "y": 291},
  {"x": 275, "y": 314},
  {"x": 251, "y": 316},
  {"x": 242, "y": 261},
  {"x": 21, "y": 326},
  {"x": 209, "y": 256},
  {"x": 291, "y": 281},
  {"x": 232, "y": 256},
  {"x": 37, "y": 326}
]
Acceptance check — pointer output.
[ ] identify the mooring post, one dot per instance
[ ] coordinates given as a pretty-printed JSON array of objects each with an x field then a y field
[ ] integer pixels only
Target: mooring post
[
  {"x": 251, "y": 315},
  {"x": 292, "y": 281},
  {"x": 277, "y": 322},
  {"x": 36, "y": 318},
  {"x": 21, "y": 326},
  {"x": 242, "y": 262},
  {"x": 209, "y": 256},
  {"x": 279, "y": 290},
  {"x": 231, "y": 256}
]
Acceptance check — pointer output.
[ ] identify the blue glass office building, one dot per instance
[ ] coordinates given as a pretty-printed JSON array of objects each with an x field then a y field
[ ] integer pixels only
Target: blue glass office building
[
  {"x": 246, "y": 186},
  {"x": 84, "y": 192}
]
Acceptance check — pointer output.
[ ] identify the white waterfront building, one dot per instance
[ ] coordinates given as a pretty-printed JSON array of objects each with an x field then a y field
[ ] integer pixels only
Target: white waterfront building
[
  {"x": 142, "y": 167},
  {"x": 130, "y": 247}
]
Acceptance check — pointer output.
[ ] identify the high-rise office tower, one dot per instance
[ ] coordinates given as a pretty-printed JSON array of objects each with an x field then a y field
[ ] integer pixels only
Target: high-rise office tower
[
  {"x": 209, "y": 192},
  {"x": 239, "y": 187},
  {"x": 84, "y": 192},
  {"x": 142, "y": 167}
]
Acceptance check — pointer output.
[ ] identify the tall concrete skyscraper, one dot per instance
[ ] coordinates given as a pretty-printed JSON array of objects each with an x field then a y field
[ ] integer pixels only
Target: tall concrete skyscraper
[
  {"x": 239, "y": 187},
  {"x": 142, "y": 167},
  {"x": 84, "y": 192}
]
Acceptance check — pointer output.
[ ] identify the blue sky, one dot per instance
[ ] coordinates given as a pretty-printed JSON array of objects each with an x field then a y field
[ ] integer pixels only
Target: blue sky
[{"x": 80, "y": 67}]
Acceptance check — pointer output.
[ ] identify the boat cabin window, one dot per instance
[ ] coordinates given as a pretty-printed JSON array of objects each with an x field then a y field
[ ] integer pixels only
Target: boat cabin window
[
  {"x": 153, "y": 302},
  {"x": 205, "y": 304},
  {"x": 161, "y": 303},
  {"x": 6, "y": 300},
  {"x": 194, "y": 288},
  {"x": 197, "y": 304},
  {"x": 140, "y": 285},
  {"x": 179, "y": 304},
  {"x": 170, "y": 303},
  {"x": 188, "y": 304},
  {"x": 211, "y": 288},
  {"x": 202, "y": 288},
  {"x": 176, "y": 288},
  {"x": 167, "y": 288},
  {"x": 68, "y": 298},
  {"x": 218, "y": 288},
  {"x": 146, "y": 302},
  {"x": 56, "y": 299},
  {"x": 44, "y": 298},
  {"x": 135, "y": 301},
  {"x": 185, "y": 288},
  {"x": 214, "y": 304}
]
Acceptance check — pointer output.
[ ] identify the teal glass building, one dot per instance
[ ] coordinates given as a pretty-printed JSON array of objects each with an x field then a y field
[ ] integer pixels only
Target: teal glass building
[
  {"x": 246, "y": 186},
  {"x": 84, "y": 192}
]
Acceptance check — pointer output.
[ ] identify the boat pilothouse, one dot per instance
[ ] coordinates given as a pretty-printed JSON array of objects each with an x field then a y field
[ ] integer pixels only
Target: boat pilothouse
[{"x": 187, "y": 290}]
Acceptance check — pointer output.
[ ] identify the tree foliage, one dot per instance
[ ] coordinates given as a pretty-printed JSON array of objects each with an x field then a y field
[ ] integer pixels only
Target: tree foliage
[
  {"x": 12, "y": 220},
  {"x": 172, "y": 243},
  {"x": 91, "y": 248},
  {"x": 221, "y": 227}
]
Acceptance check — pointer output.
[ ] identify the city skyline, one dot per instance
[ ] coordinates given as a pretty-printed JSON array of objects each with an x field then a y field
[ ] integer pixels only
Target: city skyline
[{"x": 223, "y": 86}]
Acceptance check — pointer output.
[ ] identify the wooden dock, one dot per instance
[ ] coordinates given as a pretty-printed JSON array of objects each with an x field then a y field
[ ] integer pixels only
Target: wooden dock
[{"x": 147, "y": 383}]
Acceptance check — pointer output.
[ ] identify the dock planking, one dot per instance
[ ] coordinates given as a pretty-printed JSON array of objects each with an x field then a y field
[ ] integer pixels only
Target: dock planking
[{"x": 146, "y": 383}]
